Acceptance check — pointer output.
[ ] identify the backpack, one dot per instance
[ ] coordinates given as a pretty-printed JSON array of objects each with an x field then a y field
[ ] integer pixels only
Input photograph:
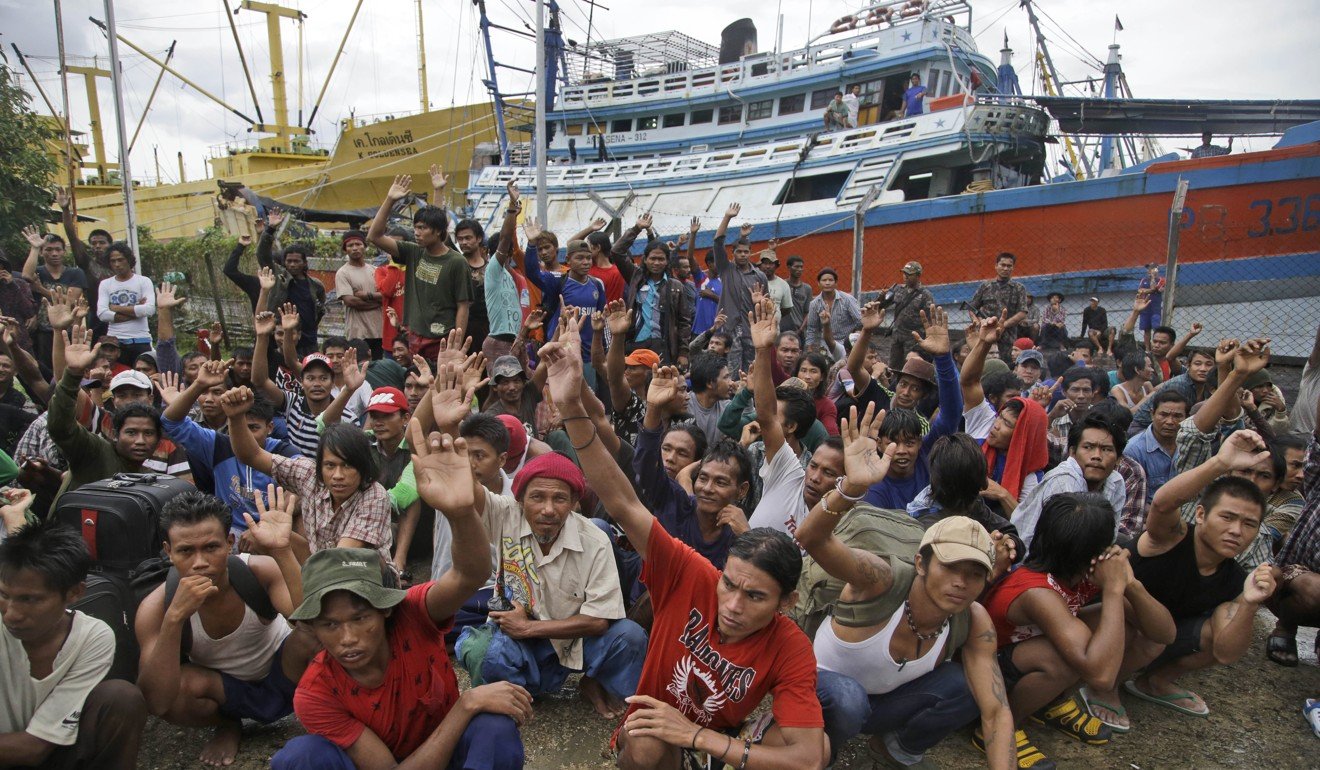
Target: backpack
[
  {"x": 245, "y": 584},
  {"x": 893, "y": 535}
]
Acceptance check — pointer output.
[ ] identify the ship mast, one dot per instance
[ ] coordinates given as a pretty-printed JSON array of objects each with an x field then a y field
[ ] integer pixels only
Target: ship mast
[
  {"x": 539, "y": 145},
  {"x": 421, "y": 60},
  {"x": 125, "y": 177},
  {"x": 1052, "y": 78}
]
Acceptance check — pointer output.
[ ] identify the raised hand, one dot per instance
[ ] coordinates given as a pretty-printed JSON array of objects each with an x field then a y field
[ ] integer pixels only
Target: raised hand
[
  {"x": 598, "y": 224},
  {"x": 1196, "y": 329},
  {"x": 825, "y": 317},
  {"x": 62, "y": 197},
  {"x": 354, "y": 373},
  {"x": 273, "y": 217},
  {"x": 617, "y": 318},
  {"x": 450, "y": 401},
  {"x": 453, "y": 348},
  {"x": 734, "y": 210},
  {"x": 263, "y": 323},
  {"x": 392, "y": 315},
  {"x": 663, "y": 390},
  {"x": 474, "y": 372},
  {"x": 863, "y": 464},
  {"x": 694, "y": 226},
  {"x": 765, "y": 330},
  {"x": 59, "y": 309},
  {"x": 935, "y": 322},
  {"x": 745, "y": 230},
  {"x": 873, "y": 314},
  {"x": 167, "y": 296},
  {"x": 444, "y": 473},
  {"x": 720, "y": 320},
  {"x": 272, "y": 530},
  {"x": 563, "y": 357},
  {"x": 1241, "y": 450},
  {"x": 237, "y": 401},
  {"x": 400, "y": 188},
  {"x": 1251, "y": 356},
  {"x": 80, "y": 310},
  {"x": 34, "y": 237},
  {"x": 78, "y": 352},
  {"x": 266, "y": 277},
  {"x": 512, "y": 188},
  {"x": 532, "y": 229},
  {"x": 1141, "y": 302},
  {"x": 644, "y": 221},
  {"x": 1225, "y": 351},
  {"x": 212, "y": 373},
  {"x": 424, "y": 375},
  {"x": 438, "y": 178},
  {"x": 167, "y": 384},
  {"x": 290, "y": 321}
]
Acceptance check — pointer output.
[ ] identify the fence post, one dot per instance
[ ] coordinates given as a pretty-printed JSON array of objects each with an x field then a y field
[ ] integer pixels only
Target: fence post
[
  {"x": 1171, "y": 260},
  {"x": 859, "y": 227}
]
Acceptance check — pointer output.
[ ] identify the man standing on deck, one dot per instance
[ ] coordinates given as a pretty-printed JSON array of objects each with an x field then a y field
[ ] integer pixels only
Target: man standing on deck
[
  {"x": 1208, "y": 150},
  {"x": 913, "y": 97}
]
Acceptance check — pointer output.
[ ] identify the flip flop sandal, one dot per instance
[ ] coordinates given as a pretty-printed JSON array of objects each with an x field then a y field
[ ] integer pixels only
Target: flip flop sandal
[
  {"x": 1088, "y": 701},
  {"x": 1311, "y": 712},
  {"x": 1282, "y": 649},
  {"x": 1167, "y": 701}
]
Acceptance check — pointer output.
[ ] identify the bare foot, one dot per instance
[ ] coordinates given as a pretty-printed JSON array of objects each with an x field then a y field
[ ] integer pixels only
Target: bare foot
[
  {"x": 223, "y": 746},
  {"x": 605, "y": 704},
  {"x": 1185, "y": 698},
  {"x": 1107, "y": 706}
]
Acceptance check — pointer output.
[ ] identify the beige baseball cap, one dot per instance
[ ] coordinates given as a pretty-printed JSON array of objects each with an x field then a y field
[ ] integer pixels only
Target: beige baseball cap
[{"x": 959, "y": 538}]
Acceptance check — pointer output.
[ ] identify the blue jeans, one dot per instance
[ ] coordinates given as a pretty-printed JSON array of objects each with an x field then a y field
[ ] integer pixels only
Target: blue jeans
[
  {"x": 919, "y": 714},
  {"x": 490, "y": 742},
  {"x": 614, "y": 659}
]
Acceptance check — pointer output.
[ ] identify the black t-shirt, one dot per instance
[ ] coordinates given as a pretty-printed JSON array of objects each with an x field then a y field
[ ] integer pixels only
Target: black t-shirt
[{"x": 1175, "y": 581}]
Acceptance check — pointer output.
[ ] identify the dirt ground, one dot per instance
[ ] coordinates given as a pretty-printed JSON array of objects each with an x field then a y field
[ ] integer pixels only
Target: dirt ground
[{"x": 1255, "y": 722}]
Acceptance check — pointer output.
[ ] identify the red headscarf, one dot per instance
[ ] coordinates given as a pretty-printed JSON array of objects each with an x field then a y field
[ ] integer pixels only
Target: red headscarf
[{"x": 1028, "y": 450}]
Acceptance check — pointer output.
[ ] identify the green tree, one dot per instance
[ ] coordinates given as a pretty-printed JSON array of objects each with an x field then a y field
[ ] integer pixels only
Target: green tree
[{"x": 26, "y": 170}]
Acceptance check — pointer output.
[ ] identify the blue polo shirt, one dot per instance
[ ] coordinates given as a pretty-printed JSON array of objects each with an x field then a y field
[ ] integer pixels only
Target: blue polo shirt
[{"x": 1158, "y": 464}]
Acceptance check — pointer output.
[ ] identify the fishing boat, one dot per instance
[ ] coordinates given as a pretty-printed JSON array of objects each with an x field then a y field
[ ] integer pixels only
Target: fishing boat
[{"x": 665, "y": 124}]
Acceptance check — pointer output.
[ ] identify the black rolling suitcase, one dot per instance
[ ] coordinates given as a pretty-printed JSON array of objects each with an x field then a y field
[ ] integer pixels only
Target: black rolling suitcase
[{"x": 119, "y": 521}]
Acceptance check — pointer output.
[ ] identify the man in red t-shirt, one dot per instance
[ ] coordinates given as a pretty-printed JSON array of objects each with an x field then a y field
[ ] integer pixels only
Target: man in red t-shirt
[
  {"x": 384, "y": 691},
  {"x": 1049, "y": 639},
  {"x": 719, "y": 641}
]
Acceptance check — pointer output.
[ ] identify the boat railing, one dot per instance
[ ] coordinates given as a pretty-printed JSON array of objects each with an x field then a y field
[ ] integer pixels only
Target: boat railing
[
  {"x": 994, "y": 117},
  {"x": 762, "y": 67}
]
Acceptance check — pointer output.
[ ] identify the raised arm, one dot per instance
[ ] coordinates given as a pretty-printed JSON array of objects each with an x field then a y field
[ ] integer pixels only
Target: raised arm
[
  {"x": 81, "y": 257},
  {"x": 354, "y": 375},
  {"x": 595, "y": 226},
  {"x": 936, "y": 343},
  {"x": 236, "y": 403},
  {"x": 33, "y": 236},
  {"x": 439, "y": 181},
  {"x": 717, "y": 247},
  {"x": 564, "y": 359},
  {"x": 263, "y": 325},
  {"x": 209, "y": 375},
  {"x": 1238, "y": 361},
  {"x": 873, "y": 315},
  {"x": 765, "y": 334},
  {"x": 1164, "y": 525},
  {"x": 376, "y": 233},
  {"x": 869, "y": 574},
  {"x": 985, "y": 333},
  {"x": 1181, "y": 344},
  {"x": 509, "y": 229},
  {"x": 619, "y": 320},
  {"x": 619, "y": 252},
  {"x": 266, "y": 241}
]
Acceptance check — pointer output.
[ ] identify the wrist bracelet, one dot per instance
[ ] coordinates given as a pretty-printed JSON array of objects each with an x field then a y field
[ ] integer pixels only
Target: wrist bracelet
[
  {"x": 727, "y": 746},
  {"x": 694, "y": 737},
  {"x": 824, "y": 506},
  {"x": 590, "y": 441},
  {"x": 747, "y": 750},
  {"x": 838, "y": 487}
]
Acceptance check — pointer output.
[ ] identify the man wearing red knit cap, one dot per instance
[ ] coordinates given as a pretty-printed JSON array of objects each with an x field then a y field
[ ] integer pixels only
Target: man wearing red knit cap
[{"x": 557, "y": 607}]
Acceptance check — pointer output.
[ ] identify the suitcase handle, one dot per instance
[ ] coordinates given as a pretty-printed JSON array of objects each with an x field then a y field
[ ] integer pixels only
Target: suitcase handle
[{"x": 122, "y": 480}]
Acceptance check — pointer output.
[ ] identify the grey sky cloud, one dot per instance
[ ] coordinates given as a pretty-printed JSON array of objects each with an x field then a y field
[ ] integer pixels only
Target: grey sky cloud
[{"x": 1213, "y": 49}]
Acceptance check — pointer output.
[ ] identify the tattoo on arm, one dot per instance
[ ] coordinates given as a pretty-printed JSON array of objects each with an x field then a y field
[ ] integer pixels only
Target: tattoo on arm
[
  {"x": 998, "y": 690},
  {"x": 988, "y": 636},
  {"x": 868, "y": 568}
]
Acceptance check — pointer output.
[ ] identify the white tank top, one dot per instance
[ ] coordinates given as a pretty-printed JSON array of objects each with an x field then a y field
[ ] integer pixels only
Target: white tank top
[
  {"x": 246, "y": 652},
  {"x": 869, "y": 661}
]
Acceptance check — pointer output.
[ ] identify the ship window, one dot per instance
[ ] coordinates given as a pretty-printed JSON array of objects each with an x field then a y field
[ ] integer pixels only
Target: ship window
[
  {"x": 821, "y": 99},
  {"x": 595, "y": 129},
  {"x": 674, "y": 120},
  {"x": 812, "y": 188},
  {"x": 622, "y": 124},
  {"x": 644, "y": 124},
  {"x": 730, "y": 114},
  {"x": 760, "y": 110},
  {"x": 574, "y": 129},
  {"x": 791, "y": 105},
  {"x": 702, "y": 116}
]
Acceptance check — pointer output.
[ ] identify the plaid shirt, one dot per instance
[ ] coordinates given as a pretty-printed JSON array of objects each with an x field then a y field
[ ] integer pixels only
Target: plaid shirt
[
  {"x": 1303, "y": 544},
  {"x": 365, "y": 516},
  {"x": 1132, "y": 519},
  {"x": 36, "y": 442},
  {"x": 994, "y": 296}
]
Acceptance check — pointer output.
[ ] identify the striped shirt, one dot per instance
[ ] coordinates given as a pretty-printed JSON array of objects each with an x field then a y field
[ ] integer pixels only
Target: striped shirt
[{"x": 303, "y": 432}]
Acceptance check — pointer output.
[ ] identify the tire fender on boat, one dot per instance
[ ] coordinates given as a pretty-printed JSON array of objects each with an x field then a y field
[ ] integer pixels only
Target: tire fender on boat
[{"x": 843, "y": 24}]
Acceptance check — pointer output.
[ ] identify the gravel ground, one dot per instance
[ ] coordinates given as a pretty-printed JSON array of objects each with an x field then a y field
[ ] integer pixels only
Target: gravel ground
[{"x": 1255, "y": 722}]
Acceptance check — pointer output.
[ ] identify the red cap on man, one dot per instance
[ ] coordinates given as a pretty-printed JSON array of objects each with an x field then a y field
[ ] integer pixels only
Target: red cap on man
[{"x": 387, "y": 401}]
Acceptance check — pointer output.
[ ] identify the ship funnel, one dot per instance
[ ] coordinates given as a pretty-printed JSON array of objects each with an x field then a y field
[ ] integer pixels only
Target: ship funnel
[{"x": 737, "y": 40}]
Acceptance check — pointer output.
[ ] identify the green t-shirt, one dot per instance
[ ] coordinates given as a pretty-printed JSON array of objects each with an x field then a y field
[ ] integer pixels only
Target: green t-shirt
[{"x": 432, "y": 290}]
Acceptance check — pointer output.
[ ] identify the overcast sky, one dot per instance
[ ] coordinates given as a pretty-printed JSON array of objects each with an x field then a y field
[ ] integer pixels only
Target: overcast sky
[{"x": 1212, "y": 49}]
